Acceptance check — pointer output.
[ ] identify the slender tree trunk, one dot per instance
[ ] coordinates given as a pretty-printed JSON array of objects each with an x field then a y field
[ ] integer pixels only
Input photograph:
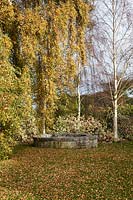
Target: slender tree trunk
[
  {"x": 79, "y": 98},
  {"x": 115, "y": 98},
  {"x": 115, "y": 120},
  {"x": 79, "y": 108},
  {"x": 41, "y": 97},
  {"x": 44, "y": 127}
]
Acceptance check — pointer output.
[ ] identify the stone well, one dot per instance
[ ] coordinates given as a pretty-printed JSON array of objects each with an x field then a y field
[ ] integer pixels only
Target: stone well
[{"x": 66, "y": 141}]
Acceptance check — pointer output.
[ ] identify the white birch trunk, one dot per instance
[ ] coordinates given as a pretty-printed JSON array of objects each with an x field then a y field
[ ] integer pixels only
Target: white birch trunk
[
  {"x": 115, "y": 120},
  {"x": 44, "y": 129},
  {"x": 79, "y": 98},
  {"x": 115, "y": 97},
  {"x": 79, "y": 108}
]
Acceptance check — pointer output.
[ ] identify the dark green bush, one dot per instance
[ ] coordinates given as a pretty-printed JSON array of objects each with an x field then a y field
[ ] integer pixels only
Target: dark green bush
[
  {"x": 127, "y": 110},
  {"x": 125, "y": 121},
  {"x": 125, "y": 127}
]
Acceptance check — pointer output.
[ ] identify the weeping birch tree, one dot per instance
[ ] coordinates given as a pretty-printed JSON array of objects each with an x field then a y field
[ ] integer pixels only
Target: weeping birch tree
[
  {"x": 113, "y": 50},
  {"x": 52, "y": 33}
]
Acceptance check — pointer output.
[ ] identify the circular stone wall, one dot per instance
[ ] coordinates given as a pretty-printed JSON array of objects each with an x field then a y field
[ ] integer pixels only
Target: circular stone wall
[{"x": 66, "y": 141}]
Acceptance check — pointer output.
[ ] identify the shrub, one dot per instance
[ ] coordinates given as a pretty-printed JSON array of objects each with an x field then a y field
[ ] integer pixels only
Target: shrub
[
  {"x": 106, "y": 136},
  {"x": 70, "y": 124},
  {"x": 28, "y": 130},
  {"x": 127, "y": 110},
  {"x": 67, "y": 124},
  {"x": 90, "y": 125},
  {"x": 125, "y": 121},
  {"x": 125, "y": 127}
]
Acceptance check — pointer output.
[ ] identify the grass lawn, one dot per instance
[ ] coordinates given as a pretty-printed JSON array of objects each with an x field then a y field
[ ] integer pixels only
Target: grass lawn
[{"x": 63, "y": 174}]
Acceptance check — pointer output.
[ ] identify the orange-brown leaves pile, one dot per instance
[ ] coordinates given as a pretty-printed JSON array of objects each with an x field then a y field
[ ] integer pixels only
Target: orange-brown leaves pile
[{"x": 69, "y": 174}]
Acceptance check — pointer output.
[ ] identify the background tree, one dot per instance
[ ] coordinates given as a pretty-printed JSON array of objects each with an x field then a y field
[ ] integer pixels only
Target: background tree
[{"x": 113, "y": 49}]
